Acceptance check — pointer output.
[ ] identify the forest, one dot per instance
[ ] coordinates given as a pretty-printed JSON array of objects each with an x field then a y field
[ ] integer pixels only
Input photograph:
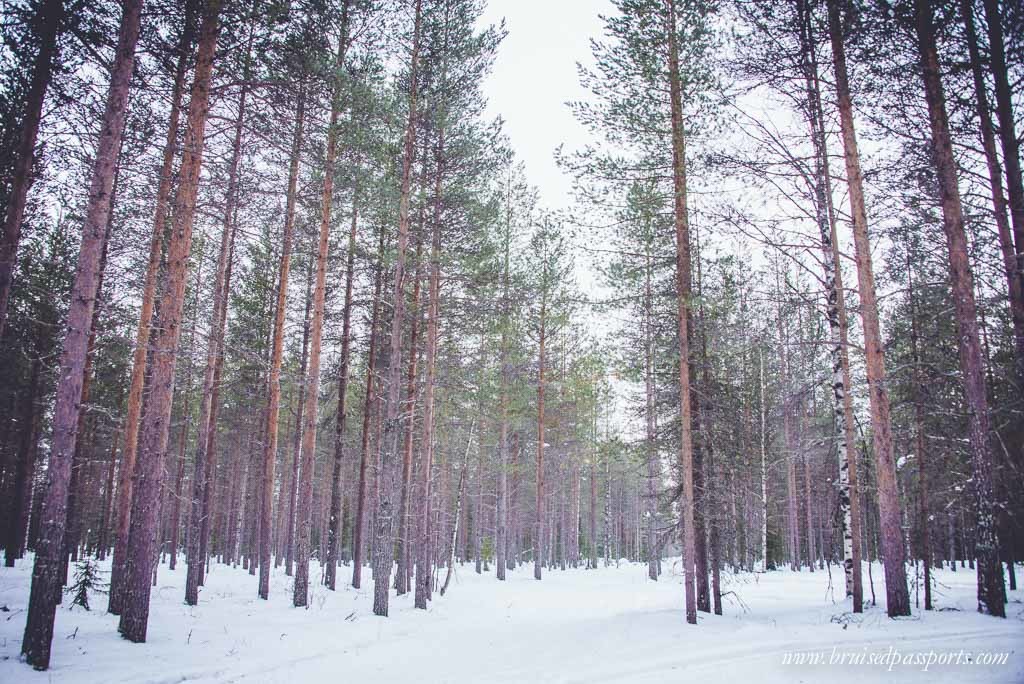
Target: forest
[{"x": 293, "y": 340}]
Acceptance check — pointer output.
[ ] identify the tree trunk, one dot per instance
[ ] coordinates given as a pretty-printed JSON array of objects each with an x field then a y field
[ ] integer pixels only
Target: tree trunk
[
  {"x": 274, "y": 383},
  {"x": 47, "y": 25},
  {"x": 919, "y": 441},
  {"x": 164, "y": 346},
  {"x": 15, "y": 532},
  {"x": 683, "y": 295},
  {"x": 214, "y": 350},
  {"x": 897, "y": 597},
  {"x": 653, "y": 470},
  {"x": 297, "y": 435},
  {"x": 186, "y": 422},
  {"x": 424, "y": 551},
  {"x": 46, "y": 571},
  {"x": 764, "y": 467},
  {"x": 334, "y": 534},
  {"x": 404, "y": 542},
  {"x": 325, "y": 220},
  {"x": 364, "y": 455},
  {"x": 1007, "y": 132},
  {"x": 538, "y": 539},
  {"x": 991, "y": 591},
  {"x": 383, "y": 547},
  {"x": 312, "y": 384},
  {"x": 140, "y": 355},
  {"x": 835, "y": 312},
  {"x": 1014, "y": 274}
]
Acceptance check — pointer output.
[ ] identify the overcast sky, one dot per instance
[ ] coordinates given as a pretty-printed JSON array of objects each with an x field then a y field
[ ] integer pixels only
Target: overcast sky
[{"x": 535, "y": 75}]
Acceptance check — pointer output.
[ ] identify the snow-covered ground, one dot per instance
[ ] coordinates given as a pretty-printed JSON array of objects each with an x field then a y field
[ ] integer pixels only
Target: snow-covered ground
[{"x": 605, "y": 625}]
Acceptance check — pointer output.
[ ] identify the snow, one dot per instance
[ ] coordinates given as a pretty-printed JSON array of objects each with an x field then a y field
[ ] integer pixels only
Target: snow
[{"x": 604, "y": 625}]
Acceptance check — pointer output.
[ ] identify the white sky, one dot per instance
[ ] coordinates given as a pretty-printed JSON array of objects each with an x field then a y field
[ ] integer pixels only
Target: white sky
[{"x": 535, "y": 75}]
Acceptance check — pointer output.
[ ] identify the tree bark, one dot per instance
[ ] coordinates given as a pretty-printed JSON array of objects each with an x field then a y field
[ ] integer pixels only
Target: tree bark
[
  {"x": 1014, "y": 274},
  {"x": 214, "y": 350},
  {"x": 164, "y": 346},
  {"x": 327, "y": 199},
  {"x": 1007, "y": 132},
  {"x": 364, "y": 451},
  {"x": 424, "y": 551},
  {"x": 991, "y": 591},
  {"x": 653, "y": 469},
  {"x": 140, "y": 355},
  {"x": 277, "y": 353},
  {"x": 334, "y": 533},
  {"x": 383, "y": 547},
  {"x": 683, "y": 295},
  {"x": 836, "y": 314},
  {"x": 919, "y": 441},
  {"x": 897, "y": 597},
  {"x": 404, "y": 542},
  {"x": 297, "y": 435},
  {"x": 47, "y": 26},
  {"x": 186, "y": 422},
  {"x": 312, "y": 385},
  {"x": 46, "y": 571},
  {"x": 14, "y": 541}
]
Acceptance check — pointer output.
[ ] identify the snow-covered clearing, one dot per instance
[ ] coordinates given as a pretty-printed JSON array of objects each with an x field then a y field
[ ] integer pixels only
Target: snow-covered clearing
[{"x": 605, "y": 625}]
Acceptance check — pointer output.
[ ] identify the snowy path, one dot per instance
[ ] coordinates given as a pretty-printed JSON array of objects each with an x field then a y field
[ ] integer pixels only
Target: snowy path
[{"x": 608, "y": 625}]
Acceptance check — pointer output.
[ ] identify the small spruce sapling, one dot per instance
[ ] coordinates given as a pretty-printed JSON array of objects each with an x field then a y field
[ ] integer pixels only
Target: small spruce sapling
[{"x": 88, "y": 577}]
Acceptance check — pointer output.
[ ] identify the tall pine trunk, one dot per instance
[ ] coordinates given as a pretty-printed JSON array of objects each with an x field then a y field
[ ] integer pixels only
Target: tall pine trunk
[
  {"x": 312, "y": 388},
  {"x": 334, "y": 533},
  {"x": 45, "y": 591},
  {"x": 897, "y": 597},
  {"x": 538, "y": 537},
  {"x": 1007, "y": 131},
  {"x": 214, "y": 350},
  {"x": 164, "y": 346},
  {"x": 126, "y": 471},
  {"x": 919, "y": 441},
  {"x": 277, "y": 352},
  {"x": 836, "y": 314},
  {"x": 991, "y": 591},
  {"x": 424, "y": 549},
  {"x": 383, "y": 546},
  {"x": 368, "y": 404},
  {"x": 682, "y": 230},
  {"x": 1013, "y": 272},
  {"x": 501, "y": 512},
  {"x": 47, "y": 26},
  {"x": 404, "y": 542},
  {"x": 653, "y": 469}
]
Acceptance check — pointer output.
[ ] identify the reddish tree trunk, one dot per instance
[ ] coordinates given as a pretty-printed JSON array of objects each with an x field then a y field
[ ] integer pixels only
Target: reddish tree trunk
[
  {"x": 404, "y": 543},
  {"x": 139, "y": 356},
  {"x": 1014, "y": 275},
  {"x": 364, "y": 451},
  {"x": 991, "y": 590},
  {"x": 384, "y": 547},
  {"x": 897, "y": 597},
  {"x": 164, "y": 347},
  {"x": 424, "y": 549},
  {"x": 47, "y": 25},
  {"x": 46, "y": 571},
  {"x": 683, "y": 294},
  {"x": 15, "y": 532},
  {"x": 214, "y": 351},
  {"x": 274, "y": 383},
  {"x": 1007, "y": 132},
  {"x": 331, "y": 568}
]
